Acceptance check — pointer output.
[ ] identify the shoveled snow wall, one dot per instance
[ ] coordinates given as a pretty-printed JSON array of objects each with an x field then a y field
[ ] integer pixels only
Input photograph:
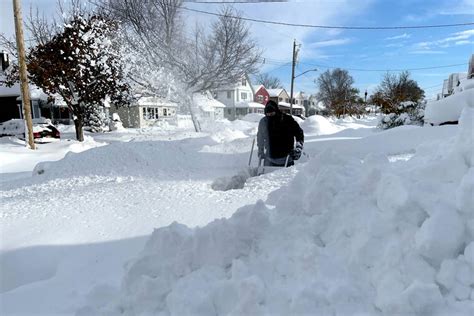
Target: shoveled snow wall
[
  {"x": 449, "y": 109},
  {"x": 346, "y": 237}
]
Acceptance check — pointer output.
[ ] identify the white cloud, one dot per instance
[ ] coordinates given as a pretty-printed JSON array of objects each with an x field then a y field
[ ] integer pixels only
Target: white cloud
[
  {"x": 402, "y": 36},
  {"x": 460, "y": 7},
  {"x": 458, "y": 38},
  {"x": 277, "y": 40},
  {"x": 427, "y": 52},
  {"x": 396, "y": 45},
  {"x": 463, "y": 43},
  {"x": 328, "y": 43}
]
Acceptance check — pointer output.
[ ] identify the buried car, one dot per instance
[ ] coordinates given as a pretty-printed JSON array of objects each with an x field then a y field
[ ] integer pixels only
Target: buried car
[{"x": 43, "y": 129}]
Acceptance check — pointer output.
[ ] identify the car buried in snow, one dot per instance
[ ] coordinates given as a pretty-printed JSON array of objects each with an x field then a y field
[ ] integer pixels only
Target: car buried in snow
[{"x": 43, "y": 130}]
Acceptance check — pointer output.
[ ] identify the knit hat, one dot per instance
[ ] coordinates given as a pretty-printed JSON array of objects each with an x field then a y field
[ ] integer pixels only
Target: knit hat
[{"x": 271, "y": 107}]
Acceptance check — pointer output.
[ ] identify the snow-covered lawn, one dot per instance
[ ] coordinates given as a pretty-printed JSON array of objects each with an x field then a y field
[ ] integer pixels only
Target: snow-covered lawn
[{"x": 368, "y": 222}]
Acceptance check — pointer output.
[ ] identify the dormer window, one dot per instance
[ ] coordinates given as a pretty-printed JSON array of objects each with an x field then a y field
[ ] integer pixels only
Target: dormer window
[{"x": 244, "y": 82}]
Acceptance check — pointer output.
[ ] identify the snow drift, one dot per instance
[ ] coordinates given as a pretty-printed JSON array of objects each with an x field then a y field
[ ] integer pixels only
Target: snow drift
[
  {"x": 346, "y": 237},
  {"x": 449, "y": 109},
  {"x": 318, "y": 125}
]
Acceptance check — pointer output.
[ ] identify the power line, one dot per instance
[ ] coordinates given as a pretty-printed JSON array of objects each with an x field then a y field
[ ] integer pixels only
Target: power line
[
  {"x": 236, "y": 1},
  {"x": 370, "y": 70},
  {"x": 332, "y": 27}
]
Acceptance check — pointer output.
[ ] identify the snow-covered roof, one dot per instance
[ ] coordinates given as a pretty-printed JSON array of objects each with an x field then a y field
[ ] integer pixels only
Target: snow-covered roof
[
  {"x": 259, "y": 87},
  {"x": 287, "y": 105},
  {"x": 155, "y": 101},
  {"x": 15, "y": 90},
  {"x": 252, "y": 105},
  {"x": 206, "y": 102},
  {"x": 275, "y": 92},
  {"x": 301, "y": 95}
]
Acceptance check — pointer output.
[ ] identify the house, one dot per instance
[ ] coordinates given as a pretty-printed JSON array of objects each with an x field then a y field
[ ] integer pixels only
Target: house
[
  {"x": 11, "y": 101},
  {"x": 11, "y": 105},
  {"x": 261, "y": 95},
  {"x": 298, "y": 110},
  {"x": 208, "y": 106},
  {"x": 470, "y": 69},
  {"x": 278, "y": 95},
  {"x": 243, "y": 108},
  {"x": 146, "y": 111},
  {"x": 231, "y": 95},
  {"x": 302, "y": 99},
  {"x": 454, "y": 80},
  {"x": 445, "y": 91}
]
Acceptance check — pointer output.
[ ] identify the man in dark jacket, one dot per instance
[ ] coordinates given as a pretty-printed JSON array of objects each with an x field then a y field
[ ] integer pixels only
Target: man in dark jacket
[{"x": 276, "y": 137}]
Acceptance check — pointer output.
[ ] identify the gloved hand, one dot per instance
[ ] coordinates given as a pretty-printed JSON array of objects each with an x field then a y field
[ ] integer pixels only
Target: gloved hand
[{"x": 297, "y": 151}]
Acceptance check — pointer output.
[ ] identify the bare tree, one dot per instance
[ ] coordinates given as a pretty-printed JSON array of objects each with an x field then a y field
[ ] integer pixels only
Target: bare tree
[
  {"x": 42, "y": 27},
  {"x": 336, "y": 91},
  {"x": 268, "y": 81},
  {"x": 197, "y": 62},
  {"x": 395, "y": 89}
]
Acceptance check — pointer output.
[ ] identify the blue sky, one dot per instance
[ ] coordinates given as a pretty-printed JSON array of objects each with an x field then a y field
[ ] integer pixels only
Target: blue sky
[{"x": 352, "y": 49}]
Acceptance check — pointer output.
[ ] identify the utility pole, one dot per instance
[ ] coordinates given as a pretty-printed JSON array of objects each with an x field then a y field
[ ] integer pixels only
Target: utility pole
[
  {"x": 292, "y": 76},
  {"x": 25, "y": 93}
]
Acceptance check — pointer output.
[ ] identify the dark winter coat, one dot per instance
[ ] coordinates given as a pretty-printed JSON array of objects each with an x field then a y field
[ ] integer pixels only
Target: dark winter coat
[{"x": 277, "y": 135}]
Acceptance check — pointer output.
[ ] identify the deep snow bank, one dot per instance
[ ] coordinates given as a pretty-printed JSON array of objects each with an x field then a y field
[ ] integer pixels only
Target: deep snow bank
[
  {"x": 449, "y": 109},
  {"x": 319, "y": 125},
  {"x": 346, "y": 237}
]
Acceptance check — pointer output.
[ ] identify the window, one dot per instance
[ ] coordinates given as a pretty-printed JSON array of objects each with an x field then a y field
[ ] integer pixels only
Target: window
[
  {"x": 229, "y": 94},
  {"x": 280, "y": 99},
  {"x": 150, "y": 113},
  {"x": 244, "y": 82},
  {"x": 243, "y": 96},
  {"x": 165, "y": 112},
  {"x": 229, "y": 111}
]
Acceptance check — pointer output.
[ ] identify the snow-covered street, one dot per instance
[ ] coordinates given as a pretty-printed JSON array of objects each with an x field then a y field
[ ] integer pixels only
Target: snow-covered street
[{"x": 70, "y": 230}]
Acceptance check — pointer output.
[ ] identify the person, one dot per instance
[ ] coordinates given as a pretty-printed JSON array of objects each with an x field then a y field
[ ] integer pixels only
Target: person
[{"x": 276, "y": 137}]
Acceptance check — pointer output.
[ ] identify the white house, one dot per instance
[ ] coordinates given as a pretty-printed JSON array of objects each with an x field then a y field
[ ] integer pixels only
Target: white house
[
  {"x": 208, "y": 106},
  {"x": 298, "y": 110},
  {"x": 278, "y": 95},
  {"x": 243, "y": 108},
  {"x": 230, "y": 96},
  {"x": 146, "y": 111}
]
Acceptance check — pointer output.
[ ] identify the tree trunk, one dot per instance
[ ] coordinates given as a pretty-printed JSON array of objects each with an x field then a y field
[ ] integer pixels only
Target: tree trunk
[
  {"x": 197, "y": 126},
  {"x": 78, "y": 123}
]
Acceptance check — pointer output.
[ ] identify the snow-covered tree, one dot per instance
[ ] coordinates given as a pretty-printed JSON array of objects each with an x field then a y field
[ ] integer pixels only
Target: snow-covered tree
[
  {"x": 81, "y": 65},
  {"x": 395, "y": 89},
  {"x": 206, "y": 60},
  {"x": 400, "y": 99}
]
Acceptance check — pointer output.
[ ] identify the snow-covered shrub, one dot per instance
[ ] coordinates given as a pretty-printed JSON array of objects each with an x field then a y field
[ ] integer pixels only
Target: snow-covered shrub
[
  {"x": 407, "y": 113},
  {"x": 95, "y": 119},
  {"x": 115, "y": 123}
]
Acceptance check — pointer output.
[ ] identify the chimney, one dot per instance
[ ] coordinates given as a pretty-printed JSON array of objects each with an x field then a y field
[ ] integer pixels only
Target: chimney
[{"x": 5, "y": 60}]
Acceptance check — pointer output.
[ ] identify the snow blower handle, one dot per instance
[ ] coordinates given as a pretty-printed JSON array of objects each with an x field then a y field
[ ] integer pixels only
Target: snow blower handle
[
  {"x": 286, "y": 161},
  {"x": 251, "y": 151}
]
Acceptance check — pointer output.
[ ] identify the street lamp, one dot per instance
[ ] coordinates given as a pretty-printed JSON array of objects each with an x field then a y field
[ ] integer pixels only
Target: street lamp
[{"x": 292, "y": 82}]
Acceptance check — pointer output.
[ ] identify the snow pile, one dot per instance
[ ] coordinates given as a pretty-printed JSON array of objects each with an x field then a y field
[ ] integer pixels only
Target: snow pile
[
  {"x": 253, "y": 117},
  {"x": 227, "y": 134},
  {"x": 12, "y": 127},
  {"x": 346, "y": 237},
  {"x": 318, "y": 125},
  {"x": 449, "y": 109},
  {"x": 116, "y": 123}
]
